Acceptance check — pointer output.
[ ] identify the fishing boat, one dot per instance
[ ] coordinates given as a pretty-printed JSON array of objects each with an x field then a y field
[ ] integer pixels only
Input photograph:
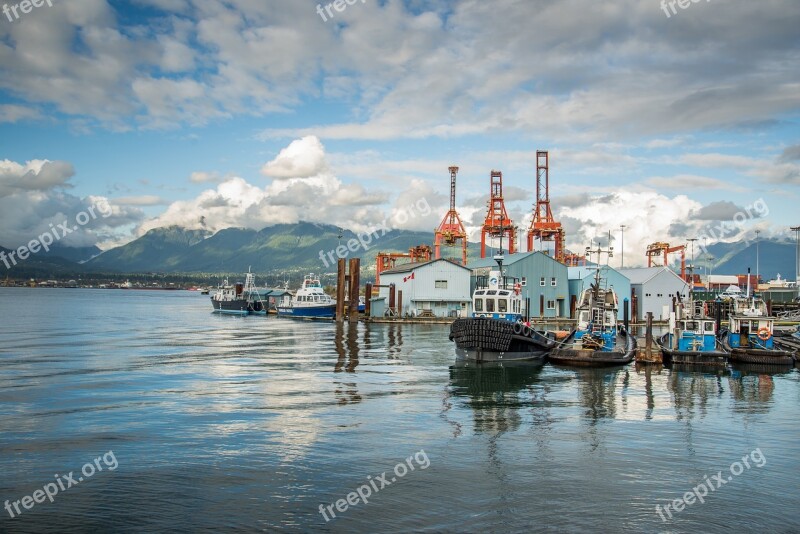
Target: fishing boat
[
  {"x": 692, "y": 337},
  {"x": 495, "y": 332},
  {"x": 310, "y": 301},
  {"x": 597, "y": 340},
  {"x": 239, "y": 299},
  {"x": 750, "y": 335}
]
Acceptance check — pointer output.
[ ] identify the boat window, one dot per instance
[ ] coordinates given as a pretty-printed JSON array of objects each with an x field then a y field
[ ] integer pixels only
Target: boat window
[
  {"x": 481, "y": 292},
  {"x": 709, "y": 326},
  {"x": 478, "y": 305},
  {"x": 490, "y": 305},
  {"x": 491, "y": 292},
  {"x": 502, "y": 305},
  {"x": 691, "y": 325}
]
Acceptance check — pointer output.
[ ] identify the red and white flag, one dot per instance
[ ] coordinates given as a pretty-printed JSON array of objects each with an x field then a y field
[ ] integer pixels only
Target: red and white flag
[{"x": 407, "y": 278}]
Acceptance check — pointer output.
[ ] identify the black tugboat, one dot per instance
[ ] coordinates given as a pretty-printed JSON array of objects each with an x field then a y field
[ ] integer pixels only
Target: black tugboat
[
  {"x": 692, "y": 337},
  {"x": 597, "y": 341},
  {"x": 750, "y": 338},
  {"x": 495, "y": 332},
  {"x": 238, "y": 299}
]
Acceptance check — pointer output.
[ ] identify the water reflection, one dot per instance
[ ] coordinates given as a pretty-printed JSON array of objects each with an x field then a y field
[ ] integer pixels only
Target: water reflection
[
  {"x": 693, "y": 386},
  {"x": 753, "y": 388},
  {"x": 347, "y": 350},
  {"x": 495, "y": 392}
]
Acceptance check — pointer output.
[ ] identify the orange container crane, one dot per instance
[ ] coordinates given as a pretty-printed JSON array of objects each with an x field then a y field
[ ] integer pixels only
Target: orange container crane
[
  {"x": 497, "y": 223},
  {"x": 387, "y": 260},
  {"x": 451, "y": 228},
  {"x": 661, "y": 249},
  {"x": 543, "y": 226}
]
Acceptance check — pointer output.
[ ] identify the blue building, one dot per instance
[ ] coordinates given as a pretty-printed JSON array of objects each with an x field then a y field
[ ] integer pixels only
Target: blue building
[
  {"x": 543, "y": 281},
  {"x": 581, "y": 277}
]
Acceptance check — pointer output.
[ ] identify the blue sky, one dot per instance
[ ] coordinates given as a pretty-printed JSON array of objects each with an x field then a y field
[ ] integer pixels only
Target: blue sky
[{"x": 251, "y": 113}]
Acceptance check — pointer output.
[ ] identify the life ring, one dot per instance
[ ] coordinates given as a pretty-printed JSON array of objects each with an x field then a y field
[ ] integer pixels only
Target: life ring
[
  {"x": 705, "y": 309},
  {"x": 517, "y": 288},
  {"x": 517, "y": 328},
  {"x": 763, "y": 334}
]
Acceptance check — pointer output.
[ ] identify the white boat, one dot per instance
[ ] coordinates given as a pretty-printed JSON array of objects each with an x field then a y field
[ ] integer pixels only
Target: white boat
[{"x": 309, "y": 301}]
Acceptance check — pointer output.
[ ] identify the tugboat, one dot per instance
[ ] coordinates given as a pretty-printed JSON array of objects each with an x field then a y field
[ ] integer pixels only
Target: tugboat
[
  {"x": 750, "y": 338},
  {"x": 238, "y": 299},
  {"x": 310, "y": 301},
  {"x": 495, "y": 331},
  {"x": 692, "y": 336},
  {"x": 596, "y": 341},
  {"x": 229, "y": 299}
]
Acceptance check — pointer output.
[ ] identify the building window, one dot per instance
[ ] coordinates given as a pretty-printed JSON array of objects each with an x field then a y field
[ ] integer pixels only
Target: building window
[
  {"x": 524, "y": 281},
  {"x": 441, "y": 284},
  {"x": 553, "y": 281},
  {"x": 541, "y": 281},
  {"x": 551, "y": 305}
]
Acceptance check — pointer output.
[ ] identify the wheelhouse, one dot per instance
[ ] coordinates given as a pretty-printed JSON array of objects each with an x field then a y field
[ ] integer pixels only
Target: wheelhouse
[{"x": 496, "y": 301}]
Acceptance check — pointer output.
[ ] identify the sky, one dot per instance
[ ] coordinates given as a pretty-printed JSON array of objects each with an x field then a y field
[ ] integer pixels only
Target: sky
[{"x": 674, "y": 122}]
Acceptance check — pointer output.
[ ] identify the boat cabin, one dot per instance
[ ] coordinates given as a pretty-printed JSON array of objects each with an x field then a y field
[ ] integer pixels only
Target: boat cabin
[
  {"x": 750, "y": 326},
  {"x": 694, "y": 335},
  {"x": 497, "y": 301}
]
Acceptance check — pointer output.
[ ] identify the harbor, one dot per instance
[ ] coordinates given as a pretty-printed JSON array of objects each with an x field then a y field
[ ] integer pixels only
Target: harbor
[{"x": 201, "y": 400}]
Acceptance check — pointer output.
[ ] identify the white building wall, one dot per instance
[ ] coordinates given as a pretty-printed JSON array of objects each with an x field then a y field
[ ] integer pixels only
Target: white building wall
[
  {"x": 421, "y": 293},
  {"x": 655, "y": 295}
]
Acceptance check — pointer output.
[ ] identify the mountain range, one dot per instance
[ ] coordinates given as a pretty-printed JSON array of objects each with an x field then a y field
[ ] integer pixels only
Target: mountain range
[{"x": 310, "y": 247}]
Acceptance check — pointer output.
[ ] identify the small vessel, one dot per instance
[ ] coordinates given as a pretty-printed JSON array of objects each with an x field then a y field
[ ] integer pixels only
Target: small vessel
[
  {"x": 596, "y": 341},
  {"x": 495, "y": 331},
  {"x": 750, "y": 336},
  {"x": 230, "y": 299},
  {"x": 310, "y": 301},
  {"x": 239, "y": 299},
  {"x": 692, "y": 336}
]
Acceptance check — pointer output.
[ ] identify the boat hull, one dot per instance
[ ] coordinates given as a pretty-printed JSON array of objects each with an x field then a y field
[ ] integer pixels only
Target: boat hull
[
  {"x": 230, "y": 307},
  {"x": 315, "y": 312},
  {"x": 490, "y": 340},
  {"x": 690, "y": 357},
  {"x": 756, "y": 355},
  {"x": 625, "y": 350}
]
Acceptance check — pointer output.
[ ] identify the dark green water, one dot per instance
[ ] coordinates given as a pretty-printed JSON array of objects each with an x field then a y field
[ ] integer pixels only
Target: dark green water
[{"x": 250, "y": 424}]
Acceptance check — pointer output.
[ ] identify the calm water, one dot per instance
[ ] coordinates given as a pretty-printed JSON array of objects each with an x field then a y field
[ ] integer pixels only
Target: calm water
[{"x": 249, "y": 424}]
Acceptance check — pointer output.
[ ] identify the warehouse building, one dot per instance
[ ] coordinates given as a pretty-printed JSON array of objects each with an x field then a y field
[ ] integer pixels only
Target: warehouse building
[
  {"x": 437, "y": 288},
  {"x": 543, "y": 280},
  {"x": 654, "y": 288},
  {"x": 581, "y": 278}
]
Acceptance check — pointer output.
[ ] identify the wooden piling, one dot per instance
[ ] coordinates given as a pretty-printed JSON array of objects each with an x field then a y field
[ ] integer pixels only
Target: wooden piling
[
  {"x": 400, "y": 303},
  {"x": 355, "y": 284},
  {"x": 368, "y": 300},
  {"x": 340, "y": 286}
]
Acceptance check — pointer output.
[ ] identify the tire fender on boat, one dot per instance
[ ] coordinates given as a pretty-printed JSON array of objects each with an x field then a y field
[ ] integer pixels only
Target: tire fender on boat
[
  {"x": 518, "y": 328},
  {"x": 526, "y": 331}
]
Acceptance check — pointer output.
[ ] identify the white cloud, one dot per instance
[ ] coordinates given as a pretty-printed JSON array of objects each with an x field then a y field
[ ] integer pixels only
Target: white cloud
[
  {"x": 34, "y": 175},
  {"x": 301, "y": 159},
  {"x": 303, "y": 188}
]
